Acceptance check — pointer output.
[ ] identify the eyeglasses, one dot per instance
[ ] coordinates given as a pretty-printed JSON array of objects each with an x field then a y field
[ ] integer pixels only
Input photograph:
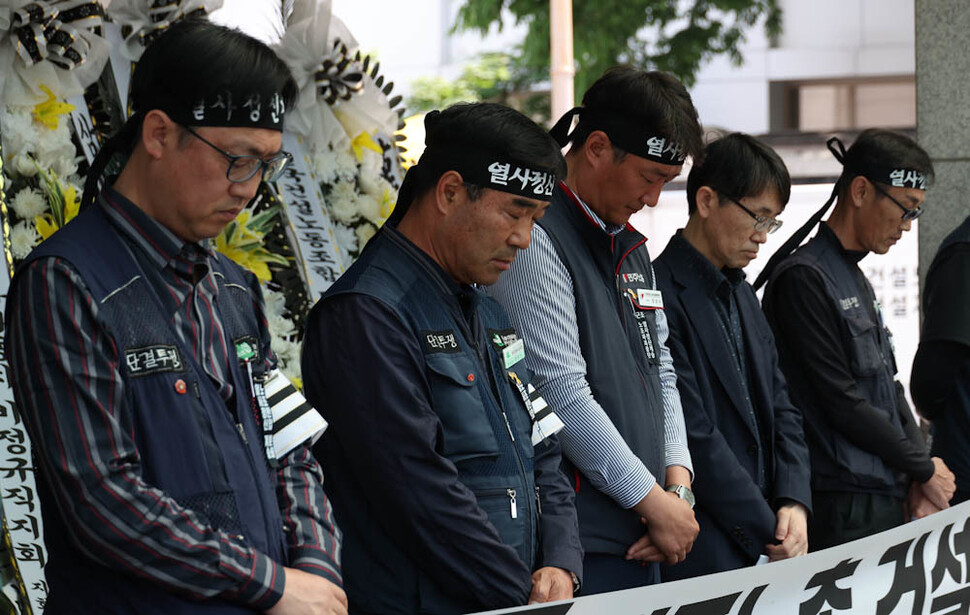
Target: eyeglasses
[
  {"x": 761, "y": 223},
  {"x": 908, "y": 213},
  {"x": 243, "y": 168}
]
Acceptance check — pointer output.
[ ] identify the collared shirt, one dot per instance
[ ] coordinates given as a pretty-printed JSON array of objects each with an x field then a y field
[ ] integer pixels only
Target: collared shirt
[
  {"x": 95, "y": 472},
  {"x": 591, "y": 440}
]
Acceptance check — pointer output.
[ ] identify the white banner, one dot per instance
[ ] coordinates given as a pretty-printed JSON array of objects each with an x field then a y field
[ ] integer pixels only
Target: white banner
[
  {"x": 920, "y": 568},
  {"x": 318, "y": 258},
  {"x": 21, "y": 506}
]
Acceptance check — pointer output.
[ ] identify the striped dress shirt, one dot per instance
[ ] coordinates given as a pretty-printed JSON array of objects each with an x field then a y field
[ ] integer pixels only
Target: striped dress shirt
[
  {"x": 538, "y": 293},
  {"x": 66, "y": 374}
]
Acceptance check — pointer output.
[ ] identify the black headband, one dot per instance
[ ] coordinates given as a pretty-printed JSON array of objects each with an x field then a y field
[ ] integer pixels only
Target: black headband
[
  {"x": 479, "y": 167},
  {"x": 227, "y": 108},
  {"x": 892, "y": 176},
  {"x": 898, "y": 177},
  {"x": 629, "y": 136},
  {"x": 489, "y": 170}
]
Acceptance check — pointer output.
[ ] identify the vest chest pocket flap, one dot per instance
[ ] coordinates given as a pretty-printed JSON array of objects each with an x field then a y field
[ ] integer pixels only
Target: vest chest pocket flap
[
  {"x": 468, "y": 432},
  {"x": 865, "y": 355}
]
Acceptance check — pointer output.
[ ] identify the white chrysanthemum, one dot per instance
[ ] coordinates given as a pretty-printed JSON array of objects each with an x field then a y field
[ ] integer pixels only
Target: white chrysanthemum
[
  {"x": 19, "y": 131},
  {"x": 373, "y": 183},
  {"x": 23, "y": 239},
  {"x": 28, "y": 203},
  {"x": 370, "y": 208},
  {"x": 326, "y": 165},
  {"x": 280, "y": 326},
  {"x": 53, "y": 146},
  {"x": 288, "y": 353},
  {"x": 343, "y": 203},
  {"x": 64, "y": 166},
  {"x": 23, "y": 165},
  {"x": 346, "y": 165},
  {"x": 364, "y": 233},
  {"x": 346, "y": 238},
  {"x": 275, "y": 302},
  {"x": 291, "y": 369}
]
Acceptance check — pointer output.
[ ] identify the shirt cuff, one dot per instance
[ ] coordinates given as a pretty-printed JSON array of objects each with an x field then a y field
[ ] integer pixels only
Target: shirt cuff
[
  {"x": 264, "y": 587},
  {"x": 630, "y": 489},
  {"x": 316, "y": 561},
  {"x": 677, "y": 454}
]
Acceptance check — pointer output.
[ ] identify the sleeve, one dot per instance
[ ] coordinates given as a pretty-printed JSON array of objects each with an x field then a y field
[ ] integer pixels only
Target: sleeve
[
  {"x": 369, "y": 369},
  {"x": 806, "y": 320},
  {"x": 937, "y": 367},
  {"x": 793, "y": 473},
  {"x": 537, "y": 292},
  {"x": 558, "y": 524},
  {"x": 676, "y": 452},
  {"x": 945, "y": 346},
  {"x": 68, "y": 387},
  {"x": 311, "y": 532},
  {"x": 723, "y": 486}
]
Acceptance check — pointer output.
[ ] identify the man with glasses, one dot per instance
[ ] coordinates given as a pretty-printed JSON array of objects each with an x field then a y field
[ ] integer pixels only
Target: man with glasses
[
  {"x": 140, "y": 360},
  {"x": 868, "y": 454},
  {"x": 745, "y": 437}
]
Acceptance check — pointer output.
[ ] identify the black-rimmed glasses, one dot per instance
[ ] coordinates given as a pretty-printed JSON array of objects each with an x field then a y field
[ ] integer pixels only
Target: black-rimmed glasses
[
  {"x": 908, "y": 213},
  {"x": 243, "y": 168},
  {"x": 761, "y": 223}
]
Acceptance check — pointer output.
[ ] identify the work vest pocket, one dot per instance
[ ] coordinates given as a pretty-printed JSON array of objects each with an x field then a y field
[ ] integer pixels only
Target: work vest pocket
[
  {"x": 506, "y": 512},
  {"x": 865, "y": 356},
  {"x": 457, "y": 402},
  {"x": 218, "y": 509}
]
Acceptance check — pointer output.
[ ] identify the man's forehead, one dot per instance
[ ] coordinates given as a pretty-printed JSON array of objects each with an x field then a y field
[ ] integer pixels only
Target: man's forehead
[
  {"x": 656, "y": 169},
  {"x": 242, "y": 140}
]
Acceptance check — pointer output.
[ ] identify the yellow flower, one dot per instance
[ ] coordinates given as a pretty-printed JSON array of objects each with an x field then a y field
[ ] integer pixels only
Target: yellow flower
[
  {"x": 50, "y": 111},
  {"x": 64, "y": 205},
  {"x": 243, "y": 243},
  {"x": 387, "y": 200},
  {"x": 365, "y": 141}
]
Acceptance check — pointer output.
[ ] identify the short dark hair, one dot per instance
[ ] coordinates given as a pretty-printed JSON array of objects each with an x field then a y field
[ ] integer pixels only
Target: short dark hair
[
  {"x": 195, "y": 59},
  {"x": 738, "y": 166},
  {"x": 496, "y": 128},
  {"x": 880, "y": 148},
  {"x": 653, "y": 98},
  {"x": 189, "y": 61}
]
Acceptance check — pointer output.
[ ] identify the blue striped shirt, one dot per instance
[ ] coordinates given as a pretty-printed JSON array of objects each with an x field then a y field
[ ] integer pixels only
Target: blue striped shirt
[{"x": 538, "y": 293}]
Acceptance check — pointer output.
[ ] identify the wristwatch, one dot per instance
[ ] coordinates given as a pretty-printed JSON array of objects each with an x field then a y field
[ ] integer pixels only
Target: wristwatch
[{"x": 682, "y": 492}]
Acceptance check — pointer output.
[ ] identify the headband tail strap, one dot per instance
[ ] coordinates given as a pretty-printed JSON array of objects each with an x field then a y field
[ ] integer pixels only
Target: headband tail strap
[
  {"x": 560, "y": 132},
  {"x": 101, "y": 160},
  {"x": 794, "y": 241},
  {"x": 837, "y": 148}
]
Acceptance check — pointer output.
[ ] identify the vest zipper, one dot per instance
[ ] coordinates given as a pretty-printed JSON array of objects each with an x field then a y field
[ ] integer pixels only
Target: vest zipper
[{"x": 486, "y": 359}]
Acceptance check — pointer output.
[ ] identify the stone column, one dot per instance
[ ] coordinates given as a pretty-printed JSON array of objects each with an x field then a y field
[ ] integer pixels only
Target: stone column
[{"x": 943, "y": 117}]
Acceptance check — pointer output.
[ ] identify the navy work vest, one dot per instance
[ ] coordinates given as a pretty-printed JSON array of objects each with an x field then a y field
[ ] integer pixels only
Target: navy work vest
[
  {"x": 618, "y": 339},
  {"x": 190, "y": 444},
  {"x": 837, "y": 464},
  {"x": 477, "y": 406}
]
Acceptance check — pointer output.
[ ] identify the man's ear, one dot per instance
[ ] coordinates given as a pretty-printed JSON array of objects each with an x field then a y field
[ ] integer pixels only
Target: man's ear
[
  {"x": 859, "y": 190},
  {"x": 598, "y": 149},
  {"x": 449, "y": 192},
  {"x": 706, "y": 200},
  {"x": 158, "y": 131}
]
